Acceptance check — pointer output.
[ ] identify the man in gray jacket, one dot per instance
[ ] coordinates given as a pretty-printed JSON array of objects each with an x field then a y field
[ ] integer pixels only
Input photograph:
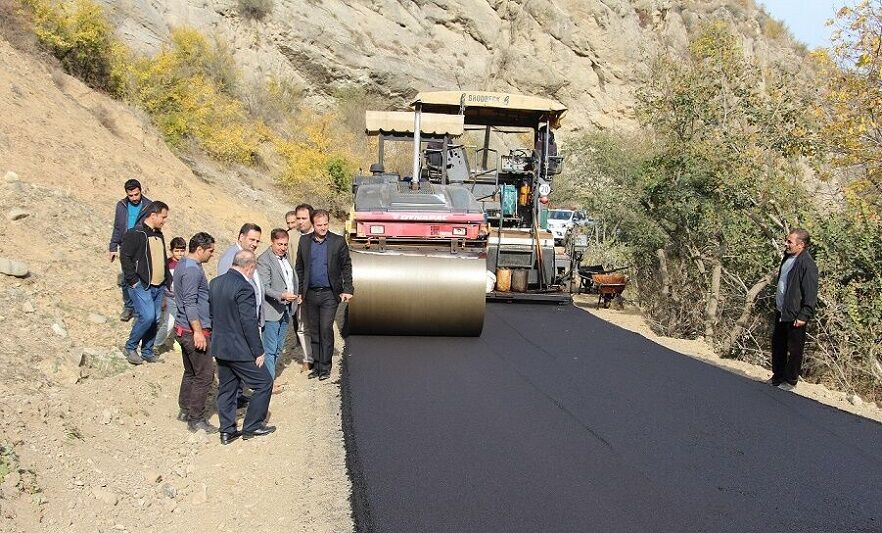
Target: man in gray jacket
[
  {"x": 280, "y": 289},
  {"x": 193, "y": 331},
  {"x": 795, "y": 299}
]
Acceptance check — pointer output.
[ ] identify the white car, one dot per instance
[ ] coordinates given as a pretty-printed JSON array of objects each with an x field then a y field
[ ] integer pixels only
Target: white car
[{"x": 561, "y": 220}]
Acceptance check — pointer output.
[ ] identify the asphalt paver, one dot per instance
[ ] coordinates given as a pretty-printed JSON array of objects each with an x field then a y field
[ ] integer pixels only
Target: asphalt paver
[{"x": 554, "y": 420}]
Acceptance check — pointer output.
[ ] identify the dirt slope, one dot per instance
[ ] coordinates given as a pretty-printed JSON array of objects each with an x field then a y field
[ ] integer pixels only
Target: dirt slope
[{"x": 88, "y": 448}]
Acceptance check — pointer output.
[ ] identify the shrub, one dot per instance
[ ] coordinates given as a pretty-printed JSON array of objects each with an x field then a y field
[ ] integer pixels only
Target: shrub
[
  {"x": 274, "y": 101},
  {"x": 774, "y": 29},
  {"x": 186, "y": 88},
  {"x": 255, "y": 9},
  {"x": 318, "y": 164},
  {"x": 79, "y": 35}
]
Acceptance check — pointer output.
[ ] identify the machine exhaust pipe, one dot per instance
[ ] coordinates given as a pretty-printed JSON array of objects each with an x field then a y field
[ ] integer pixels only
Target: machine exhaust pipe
[{"x": 417, "y": 118}]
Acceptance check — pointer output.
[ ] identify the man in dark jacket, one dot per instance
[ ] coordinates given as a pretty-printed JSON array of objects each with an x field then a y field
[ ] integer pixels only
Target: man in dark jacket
[
  {"x": 146, "y": 275},
  {"x": 129, "y": 212},
  {"x": 795, "y": 298},
  {"x": 237, "y": 347},
  {"x": 324, "y": 270}
]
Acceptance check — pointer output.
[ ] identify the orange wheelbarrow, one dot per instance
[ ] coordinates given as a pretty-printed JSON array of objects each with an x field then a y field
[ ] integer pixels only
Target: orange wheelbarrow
[{"x": 609, "y": 287}]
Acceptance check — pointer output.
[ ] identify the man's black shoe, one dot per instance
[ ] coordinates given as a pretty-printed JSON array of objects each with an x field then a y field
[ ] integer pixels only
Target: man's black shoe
[
  {"x": 324, "y": 376},
  {"x": 313, "y": 374},
  {"x": 126, "y": 314},
  {"x": 226, "y": 438},
  {"x": 182, "y": 416},
  {"x": 242, "y": 401},
  {"x": 259, "y": 432}
]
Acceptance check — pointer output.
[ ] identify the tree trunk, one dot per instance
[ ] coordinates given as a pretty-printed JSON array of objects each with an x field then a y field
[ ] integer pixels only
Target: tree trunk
[
  {"x": 663, "y": 272},
  {"x": 749, "y": 301},
  {"x": 713, "y": 299}
]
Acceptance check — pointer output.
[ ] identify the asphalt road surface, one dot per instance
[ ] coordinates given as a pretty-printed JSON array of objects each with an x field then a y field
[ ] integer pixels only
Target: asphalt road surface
[{"x": 554, "y": 420}]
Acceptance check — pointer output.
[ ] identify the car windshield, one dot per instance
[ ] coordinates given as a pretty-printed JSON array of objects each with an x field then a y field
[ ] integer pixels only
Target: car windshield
[{"x": 560, "y": 214}]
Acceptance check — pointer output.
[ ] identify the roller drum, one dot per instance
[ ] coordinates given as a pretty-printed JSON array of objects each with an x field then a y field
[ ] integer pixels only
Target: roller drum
[{"x": 417, "y": 295}]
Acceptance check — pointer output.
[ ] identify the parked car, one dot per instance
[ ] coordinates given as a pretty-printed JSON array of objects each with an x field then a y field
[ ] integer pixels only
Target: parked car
[{"x": 561, "y": 220}]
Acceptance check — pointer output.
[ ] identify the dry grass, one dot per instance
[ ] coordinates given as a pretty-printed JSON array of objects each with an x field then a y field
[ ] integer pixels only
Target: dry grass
[
  {"x": 16, "y": 27},
  {"x": 255, "y": 9},
  {"x": 59, "y": 78},
  {"x": 106, "y": 119}
]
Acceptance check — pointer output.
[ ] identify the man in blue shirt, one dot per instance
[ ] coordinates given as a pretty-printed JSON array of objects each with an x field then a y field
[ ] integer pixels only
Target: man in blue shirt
[
  {"x": 324, "y": 271},
  {"x": 128, "y": 213}
]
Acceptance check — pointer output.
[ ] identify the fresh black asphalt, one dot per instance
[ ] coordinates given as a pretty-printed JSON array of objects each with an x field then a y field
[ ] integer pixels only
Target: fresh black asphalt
[{"x": 554, "y": 420}]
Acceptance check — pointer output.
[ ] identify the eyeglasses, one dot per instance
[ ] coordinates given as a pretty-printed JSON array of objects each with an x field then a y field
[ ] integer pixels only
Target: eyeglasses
[{"x": 285, "y": 244}]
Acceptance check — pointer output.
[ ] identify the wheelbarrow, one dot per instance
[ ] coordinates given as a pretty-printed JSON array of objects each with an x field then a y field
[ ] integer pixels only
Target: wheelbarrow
[{"x": 608, "y": 287}]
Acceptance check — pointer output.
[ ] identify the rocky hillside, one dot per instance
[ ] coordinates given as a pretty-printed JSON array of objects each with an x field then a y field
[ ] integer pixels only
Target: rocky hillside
[
  {"x": 87, "y": 442},
  {"x": 589, "y": 54}
]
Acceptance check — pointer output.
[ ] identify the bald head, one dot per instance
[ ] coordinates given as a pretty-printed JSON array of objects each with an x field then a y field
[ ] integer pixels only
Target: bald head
[
  {"x": 245, "y": 262},
  {"x": 244, "y": 258}
]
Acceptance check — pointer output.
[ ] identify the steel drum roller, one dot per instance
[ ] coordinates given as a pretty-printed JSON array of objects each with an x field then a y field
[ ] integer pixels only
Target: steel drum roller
[{"x": 417, "y": 295}]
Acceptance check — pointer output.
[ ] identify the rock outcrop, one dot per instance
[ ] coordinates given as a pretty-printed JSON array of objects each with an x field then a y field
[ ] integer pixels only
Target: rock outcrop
[{"x": 588, "y": 54}]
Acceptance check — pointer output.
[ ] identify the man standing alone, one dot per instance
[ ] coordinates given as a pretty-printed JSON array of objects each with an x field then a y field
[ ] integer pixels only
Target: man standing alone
[
  {"x": 193, "y": 331},
  {"x": 128, "y": 213},
  {"x": 145, "y": 270},
  {"x": 280, "y": 288},
  {"x": 324, "y": 269},
  {"x": 237, "y": 348},
  {"x": 795, "y": 298},
  {"x": 299, "y": 223}
]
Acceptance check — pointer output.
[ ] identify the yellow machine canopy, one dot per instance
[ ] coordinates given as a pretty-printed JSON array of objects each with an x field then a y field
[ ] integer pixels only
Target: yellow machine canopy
[
  {"x": 493, "y": 109},
  {"x": 401, "y": 123}
]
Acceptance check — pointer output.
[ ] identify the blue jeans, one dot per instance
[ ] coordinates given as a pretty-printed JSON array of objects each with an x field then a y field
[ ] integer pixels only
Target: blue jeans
[
  {"x": 273, "y": 339},
  {"x": 127, "y": 300},
  {"x": 147, "y": 303}
]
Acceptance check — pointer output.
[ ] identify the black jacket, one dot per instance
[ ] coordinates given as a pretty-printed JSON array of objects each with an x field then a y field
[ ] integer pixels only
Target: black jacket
[
  {"x": 801, "y": 295},
  {"x": 339, "y": 263},
  {"x": 235, "y": 334},
  {"x": 134, "y": 256},
  {"x": 121, "y": 221}
]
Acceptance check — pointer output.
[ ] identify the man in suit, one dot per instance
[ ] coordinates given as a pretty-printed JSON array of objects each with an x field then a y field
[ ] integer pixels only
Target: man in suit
[
  {"x": 237, "y": 348},
  {"x": 249, "y": 239},
  {"x": 324, "y": 269},
  {"x": 280, "y": 297}
]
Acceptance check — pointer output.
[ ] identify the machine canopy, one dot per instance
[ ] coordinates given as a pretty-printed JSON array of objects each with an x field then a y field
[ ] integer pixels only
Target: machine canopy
[
  {"x": 401, "y": 123},
  {"x": 493, "y": 109}
]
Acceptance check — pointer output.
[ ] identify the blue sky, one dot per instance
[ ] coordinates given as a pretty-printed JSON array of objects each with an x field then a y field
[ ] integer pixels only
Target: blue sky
[{"x": 805, "y": 18}]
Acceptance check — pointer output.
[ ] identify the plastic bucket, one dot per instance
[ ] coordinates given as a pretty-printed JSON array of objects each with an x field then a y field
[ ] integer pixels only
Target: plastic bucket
[
  {"x": 519, "y": 280},
  {"x": 503, "y": 279}
]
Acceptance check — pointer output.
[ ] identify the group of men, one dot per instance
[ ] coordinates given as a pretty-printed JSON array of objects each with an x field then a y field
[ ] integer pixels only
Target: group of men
[{"x": 239, "y": 320}]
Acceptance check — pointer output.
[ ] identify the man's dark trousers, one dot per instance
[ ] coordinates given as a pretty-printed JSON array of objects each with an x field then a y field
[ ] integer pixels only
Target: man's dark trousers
[
  {"x": 788, "y": 342},
  {"x": 198, "y": 375},
  {"x": 321, "y": 309},
  {"x": 231, "y": 374}
]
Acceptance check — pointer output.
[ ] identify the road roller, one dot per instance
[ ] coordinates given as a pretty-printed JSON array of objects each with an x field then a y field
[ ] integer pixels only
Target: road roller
[
  {"x": 509, "y": 170},
  {"x": 418, "y": 244},
  {"x": 427, "y": 247}
]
